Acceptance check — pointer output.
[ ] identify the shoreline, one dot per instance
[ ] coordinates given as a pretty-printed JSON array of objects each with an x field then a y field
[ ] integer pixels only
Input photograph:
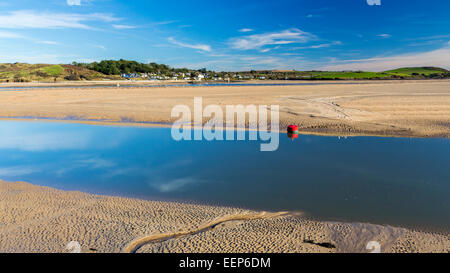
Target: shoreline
[
  {"x": 394, "y": 109},
  {"x": 187, "y": 82},
  {"x": 145, "y": 124},
  {"x": 43, "y": 219}
]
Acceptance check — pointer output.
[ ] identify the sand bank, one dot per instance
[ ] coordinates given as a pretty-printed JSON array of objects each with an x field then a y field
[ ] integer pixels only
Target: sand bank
[
  {"x": 41, "y": 219},
  {"x": 387, "y": 108}
]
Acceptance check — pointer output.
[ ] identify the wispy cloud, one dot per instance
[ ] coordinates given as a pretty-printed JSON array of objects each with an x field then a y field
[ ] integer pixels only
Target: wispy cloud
[
  {"x": 241, "y": 62},
  {"x": 202, "y": 47},
  {"x": 325, "y": 45},
  {"x": 123, "y": 26},
  {"x": 384, "y": 35},
  {"x": 99, "y": 46},
  {"x": 313, "y": 16},
  {"x": 257, "y": 41},
  {"x": 165, "y": 22},
  {"x": 13, "y": 35},
  {"x": 30, "y": 57},
  {"x": 149, "y": 25},
  {"x": 74, "y": 2},
  {"x": 46, "y": 20},
  {"x": 245, "y": 30},
  {"x": 434, "y": 37},
  {"x": 439, "y": 57},
  {"x": 48, "y": 42},
  {"x": 10, "y": 35}
]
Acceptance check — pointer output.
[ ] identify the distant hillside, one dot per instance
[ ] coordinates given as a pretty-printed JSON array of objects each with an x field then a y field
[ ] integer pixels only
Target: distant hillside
[
  {"x": 401, "y": 73},
  {"x": 20, "y": 72},
  {"x": 415, "y": 71},
  {"x": 111, "y": 69}
]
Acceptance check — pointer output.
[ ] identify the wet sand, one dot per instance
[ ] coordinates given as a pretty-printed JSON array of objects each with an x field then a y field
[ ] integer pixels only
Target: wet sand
[
  {"x": 41, "y": 219},
  {"x": 380, "y": 108}
]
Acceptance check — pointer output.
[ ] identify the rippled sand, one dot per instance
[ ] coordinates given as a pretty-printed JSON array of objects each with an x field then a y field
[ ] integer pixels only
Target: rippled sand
[{"x": 41, "y": 219}]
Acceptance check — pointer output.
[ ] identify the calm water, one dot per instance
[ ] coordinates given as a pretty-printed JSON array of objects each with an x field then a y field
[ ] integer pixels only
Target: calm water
[
  {"x": 397, "y": 181},
  {"x": 125, "y": 85}
]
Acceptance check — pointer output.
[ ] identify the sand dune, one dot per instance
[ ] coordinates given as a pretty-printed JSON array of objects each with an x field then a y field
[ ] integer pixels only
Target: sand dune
[{"x": 41, "y": 219}]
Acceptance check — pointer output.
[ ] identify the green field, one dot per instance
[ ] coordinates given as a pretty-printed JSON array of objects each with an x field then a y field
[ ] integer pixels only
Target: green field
[
  {"x": 53, "y": 70},
  {"x": 401, "y": 73},
  {"x": 348, "y": 75},
  {"x": 20, "y": 72},
  {"x": 410, "y": 71}
]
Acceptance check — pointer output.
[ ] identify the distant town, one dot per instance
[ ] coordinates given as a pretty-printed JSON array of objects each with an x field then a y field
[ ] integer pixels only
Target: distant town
[
  {"x": 135, "y": 71},
  {"x": 157, "y": 72}
]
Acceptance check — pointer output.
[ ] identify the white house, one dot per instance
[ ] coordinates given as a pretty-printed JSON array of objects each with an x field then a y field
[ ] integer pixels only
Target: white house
[{"x": 200, "y": 77}]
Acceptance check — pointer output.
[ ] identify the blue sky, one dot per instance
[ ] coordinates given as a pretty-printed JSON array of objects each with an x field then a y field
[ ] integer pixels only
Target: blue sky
[{"x": 231, "y": 35}]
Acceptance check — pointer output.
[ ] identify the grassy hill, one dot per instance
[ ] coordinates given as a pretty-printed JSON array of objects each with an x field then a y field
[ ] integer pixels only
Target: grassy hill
[
  {"x": 20, "y": 72},
  {"x": 414, "y": 71},
  {"x": 401, "y": 73}
]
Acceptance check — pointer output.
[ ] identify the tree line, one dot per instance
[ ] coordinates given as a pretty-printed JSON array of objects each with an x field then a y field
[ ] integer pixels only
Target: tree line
[{"x": 113, "y": 67}]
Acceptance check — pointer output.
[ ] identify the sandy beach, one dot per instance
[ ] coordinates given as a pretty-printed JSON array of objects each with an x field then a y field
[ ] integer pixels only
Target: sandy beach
[
  {"x": 245, "y": 129},
  {"x": 41, "y": 219},
  {"x": 385, "y": 108}
]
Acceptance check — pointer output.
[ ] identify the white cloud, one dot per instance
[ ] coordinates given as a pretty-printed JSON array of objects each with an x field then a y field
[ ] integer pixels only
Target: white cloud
[
  {"x": 99, "y": 46},
  {"x": 74, "y": 2},
  {"x": 193, "y": 46},
  {"x": 48, "y": 42},
  {"x": 165, "y": 22},
  {"x": 244, "y": 62},
  {"x": 319, "y": 45},
  {"x": 32, "y": 19},
  {"x": 258, "y": 41},
  {"x": 439, "y": 57},
  {"x": 313, "y": 16},
  {"x": 10, "y": 35},
  {"x": 30, "y": 57},
  {"x": 245, "y": 30},
  {"x": 384, "y": 35},
  {"x": 123, "y": 26}
]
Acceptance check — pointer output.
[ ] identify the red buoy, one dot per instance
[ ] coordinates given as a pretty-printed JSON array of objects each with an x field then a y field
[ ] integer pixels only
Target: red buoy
[{"x": 292, "y": 129}]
